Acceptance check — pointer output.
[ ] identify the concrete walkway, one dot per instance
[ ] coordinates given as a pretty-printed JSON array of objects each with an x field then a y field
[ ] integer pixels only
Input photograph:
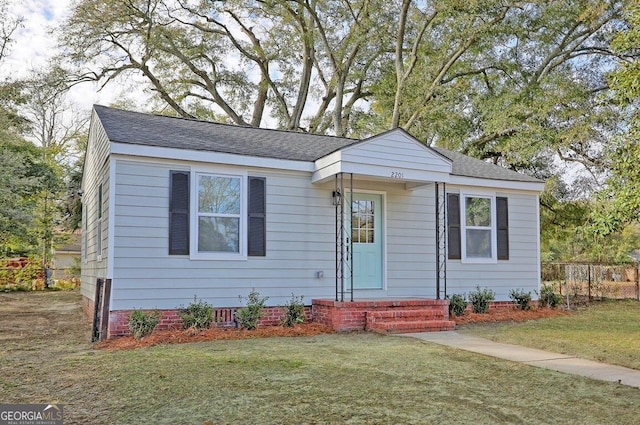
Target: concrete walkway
[{"x": 534, "y": 357}]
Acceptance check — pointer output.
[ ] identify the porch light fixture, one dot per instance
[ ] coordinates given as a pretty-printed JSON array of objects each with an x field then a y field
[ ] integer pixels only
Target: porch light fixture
[{"x": 337, "y": 197}]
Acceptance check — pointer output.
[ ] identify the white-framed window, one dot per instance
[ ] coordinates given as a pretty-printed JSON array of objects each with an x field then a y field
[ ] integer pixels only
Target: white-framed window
[
  {"x": 219, "y": 216},
  {"x": 478, "y": 221}
]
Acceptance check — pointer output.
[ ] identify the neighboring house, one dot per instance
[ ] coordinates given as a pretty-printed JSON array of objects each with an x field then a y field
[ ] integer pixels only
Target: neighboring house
[
  {"x": 66, "y": 256},
  {"x": 176, "y": 208}
]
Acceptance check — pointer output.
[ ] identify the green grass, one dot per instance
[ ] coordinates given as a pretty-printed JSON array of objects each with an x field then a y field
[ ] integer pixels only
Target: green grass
[
  {"x": 327, "y": 379},
  {"x": 607, "y": 331}
]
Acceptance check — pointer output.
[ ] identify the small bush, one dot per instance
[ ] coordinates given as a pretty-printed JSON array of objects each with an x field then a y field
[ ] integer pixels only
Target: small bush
[
  {"x": 19, "y": 277},
  {"x": 548, "y": 297},
  {"x": 249, "y": 316},
  {"x": 457, "y": 305},
  {"x": 142, "y": 323},
  {"x": 65, "y": 284},
  {"x": 480, "y": 299},
  {"x": 521, "y": 299},
  {"x": 197, "y": 315},
  {"x": 293, "y": 312}
]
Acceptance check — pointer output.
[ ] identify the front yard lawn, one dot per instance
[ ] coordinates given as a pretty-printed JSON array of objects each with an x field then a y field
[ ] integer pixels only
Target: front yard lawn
[
  {"x": 606, "y": 331},
  {"x": 358, "y": 378}
]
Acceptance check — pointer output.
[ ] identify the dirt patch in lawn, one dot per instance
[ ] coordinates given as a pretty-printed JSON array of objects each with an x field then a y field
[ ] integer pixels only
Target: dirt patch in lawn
[
  {"x": 508, "y": 315},
  {"x": 180, "y": 336}
]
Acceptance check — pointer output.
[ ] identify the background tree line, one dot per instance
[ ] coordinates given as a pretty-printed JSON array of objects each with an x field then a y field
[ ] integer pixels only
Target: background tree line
[
  {"x": 40, "y": 156},
  {"x": 545, "y": 87}
]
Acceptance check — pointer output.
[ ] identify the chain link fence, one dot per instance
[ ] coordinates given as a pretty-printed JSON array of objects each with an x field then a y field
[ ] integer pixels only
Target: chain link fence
[{"x": 584, "y": 282}]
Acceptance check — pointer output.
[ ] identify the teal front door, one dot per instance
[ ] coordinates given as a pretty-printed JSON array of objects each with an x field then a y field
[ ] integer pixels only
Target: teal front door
[{"x": 366, "y": 233}]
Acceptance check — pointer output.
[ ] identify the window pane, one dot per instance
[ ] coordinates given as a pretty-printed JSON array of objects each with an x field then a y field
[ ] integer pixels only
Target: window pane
[
  {"x": 478, "y": 243},
  {"x": 218, "y": 234},
  {"x": 219, "y": 195},
  {"x": 370, "y": 236},
  {"x": 362, "y": 219},
  {"x": 478, "y": 212},
  {"x": 369, "y": 207},
  {"x": 355, "y": 221}
]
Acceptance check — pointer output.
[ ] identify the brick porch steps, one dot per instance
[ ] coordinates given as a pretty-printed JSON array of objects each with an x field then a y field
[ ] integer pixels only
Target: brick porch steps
[
  {"x": 407, "y": 321},
  {"x": 394, "y": 315}
]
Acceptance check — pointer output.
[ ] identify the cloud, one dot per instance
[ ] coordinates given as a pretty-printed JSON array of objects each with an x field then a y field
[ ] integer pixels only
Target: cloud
[{"x": 34, "y": 45}]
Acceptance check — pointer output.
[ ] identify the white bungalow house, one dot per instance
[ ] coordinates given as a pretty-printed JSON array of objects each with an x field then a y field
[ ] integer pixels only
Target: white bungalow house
[{"x": 177, "y": 208}]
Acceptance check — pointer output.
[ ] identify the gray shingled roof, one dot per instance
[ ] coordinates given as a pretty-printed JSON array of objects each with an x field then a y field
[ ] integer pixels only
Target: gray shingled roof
[
  {"x": 471, "y": 167},
  {"x": 181, "y": 133}
]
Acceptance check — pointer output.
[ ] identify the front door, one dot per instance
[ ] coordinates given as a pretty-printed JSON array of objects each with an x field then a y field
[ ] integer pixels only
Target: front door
[{"x": 366, "y": 225}]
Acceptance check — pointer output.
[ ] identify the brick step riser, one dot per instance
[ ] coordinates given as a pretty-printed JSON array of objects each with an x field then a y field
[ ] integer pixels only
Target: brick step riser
[
  {"x": 399, "y": 323},
  {"x": 404, "y": 313},
  {"x": 408, "y": 327},
  {"x": 407, "y": 318},
  {"x": 424, "y": 316}
]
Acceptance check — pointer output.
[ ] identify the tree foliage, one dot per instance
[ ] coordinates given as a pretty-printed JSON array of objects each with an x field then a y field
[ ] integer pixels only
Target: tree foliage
[
  {"x": 8, "y": 26},
  {"x": 32, "y": 177},
  {"x": 565, "y": 229},
  {"x": 307, "y": 64},
  {"x": 19, "y": 181},
  {"x": 619, "y": 201},
  {"x": 519, "y": 83},
  {"x": 21, "y": 172}
]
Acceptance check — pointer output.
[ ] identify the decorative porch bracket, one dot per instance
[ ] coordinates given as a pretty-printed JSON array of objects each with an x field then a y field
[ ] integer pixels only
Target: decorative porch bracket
[
  {"x": 344, "y": 244},
  {"x": 441, "y": 240}
]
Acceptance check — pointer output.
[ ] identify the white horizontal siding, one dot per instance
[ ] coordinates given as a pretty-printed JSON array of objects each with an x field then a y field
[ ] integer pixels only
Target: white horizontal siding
[
  {"x": 392, "y": 156},
  {"x": 395, "y": 149},
  {"x": 300, "y": 242},
  {"x": 96, "y": 172}
]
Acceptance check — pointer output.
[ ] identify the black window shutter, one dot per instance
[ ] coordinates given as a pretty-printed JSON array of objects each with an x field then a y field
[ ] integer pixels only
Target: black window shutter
[
  {"x": 453, "y": 226},
  {"x": 502, "y": 218},
  {"x": 257, "y": 232},
  {"x": 179, "y": 213}
]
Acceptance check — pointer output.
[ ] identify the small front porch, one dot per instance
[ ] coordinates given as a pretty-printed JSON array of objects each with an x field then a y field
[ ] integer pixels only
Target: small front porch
[
  {"x": 372, "y": 312},
  {"x": 379, "y": 185},
  {"x": 384, "y": 316}
]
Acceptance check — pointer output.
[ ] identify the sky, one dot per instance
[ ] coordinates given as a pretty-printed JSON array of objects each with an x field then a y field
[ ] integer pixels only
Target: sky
[{"x": 33, "y": 46}]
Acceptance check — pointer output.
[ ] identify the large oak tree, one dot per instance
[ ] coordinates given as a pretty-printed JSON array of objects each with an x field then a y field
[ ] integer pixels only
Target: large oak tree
[{"x": 517, "y": 82}]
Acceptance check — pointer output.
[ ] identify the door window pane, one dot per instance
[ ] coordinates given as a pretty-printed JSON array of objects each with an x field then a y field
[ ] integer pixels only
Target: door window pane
[{"x": 362, "y": 218}]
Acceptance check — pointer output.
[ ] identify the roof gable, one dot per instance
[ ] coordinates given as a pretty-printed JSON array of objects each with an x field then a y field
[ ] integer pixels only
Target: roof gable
[
  {"x": 392, "y": 155},
  {"x": 396, "y": 147}
]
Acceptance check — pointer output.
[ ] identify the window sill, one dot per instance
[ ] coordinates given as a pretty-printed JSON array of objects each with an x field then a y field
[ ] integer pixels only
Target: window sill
[
  {"x": 218, "y": 257},
  {"x": 479, "y": 261}
]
